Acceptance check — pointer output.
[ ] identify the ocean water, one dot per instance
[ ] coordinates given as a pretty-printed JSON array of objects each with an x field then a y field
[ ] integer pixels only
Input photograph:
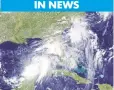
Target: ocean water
[{"x": 85, "y": 48}]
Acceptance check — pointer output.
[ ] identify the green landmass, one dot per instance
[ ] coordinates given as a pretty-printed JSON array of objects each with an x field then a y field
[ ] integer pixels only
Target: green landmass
[
  {"x": 17, "y": 27},
  {"x": 77, "y": 78},
  {"x": 105, "y": 87},
  {"x": 29, "y": 84}
]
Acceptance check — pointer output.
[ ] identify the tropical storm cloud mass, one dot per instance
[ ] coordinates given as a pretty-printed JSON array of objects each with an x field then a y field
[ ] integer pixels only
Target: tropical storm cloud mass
[{"x": 56, "y": 51}]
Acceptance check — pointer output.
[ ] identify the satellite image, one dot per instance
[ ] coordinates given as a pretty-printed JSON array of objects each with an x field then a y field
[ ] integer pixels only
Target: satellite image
[{"x": 56, "y": 51}]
